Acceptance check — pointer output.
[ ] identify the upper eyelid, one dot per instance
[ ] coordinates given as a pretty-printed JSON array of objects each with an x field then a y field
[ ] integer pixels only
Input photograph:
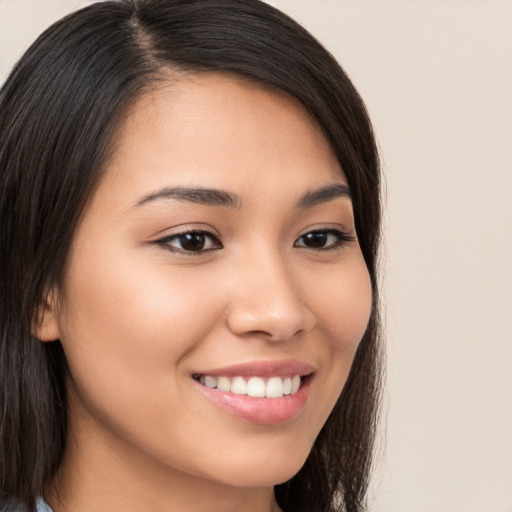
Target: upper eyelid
[
  {"x": 183, "y": 230},
  {"x": 212, "y": 232},
  {"x": 215, "y": 234},
  {"x": 205, "y": 232},
  {"x": 344, "y": 235},
  {"x": 333, "y": 229}
]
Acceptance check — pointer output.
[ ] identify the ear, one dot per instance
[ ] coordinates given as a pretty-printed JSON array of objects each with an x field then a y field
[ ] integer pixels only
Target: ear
[{"x": 46, "y": 325}]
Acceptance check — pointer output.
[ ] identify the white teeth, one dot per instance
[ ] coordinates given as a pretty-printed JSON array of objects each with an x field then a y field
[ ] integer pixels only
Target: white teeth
[
  {"x": 211, "y": 382},
  {"x": 273, "y": 387},
  {"x": 239, "y": 386},
  {"x": 287, "y": 386},
  {"x": 256, "y": 387},
  {"x": 224, "y": 384},
  {"x": 295, "y": 384}
]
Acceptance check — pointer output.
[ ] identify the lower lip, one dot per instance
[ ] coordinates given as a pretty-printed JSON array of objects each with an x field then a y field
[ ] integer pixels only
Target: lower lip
[{"x": 264, "y": 411}]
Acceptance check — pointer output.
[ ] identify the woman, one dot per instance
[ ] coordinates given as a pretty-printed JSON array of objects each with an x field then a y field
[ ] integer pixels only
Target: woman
[{"x": 190, "y": 220}]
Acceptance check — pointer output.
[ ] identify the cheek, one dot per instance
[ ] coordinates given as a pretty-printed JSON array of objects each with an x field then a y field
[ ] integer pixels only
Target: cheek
[
  {"x": 344, "y": 307},
  {"x": 129, "y": 320},
  {"x": 343, "y": 311},
  {"x": 127, "y": 331}
]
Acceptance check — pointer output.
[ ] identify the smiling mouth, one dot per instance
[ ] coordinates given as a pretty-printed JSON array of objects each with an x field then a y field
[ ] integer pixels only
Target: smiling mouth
[{"x": 256, "y": 387}]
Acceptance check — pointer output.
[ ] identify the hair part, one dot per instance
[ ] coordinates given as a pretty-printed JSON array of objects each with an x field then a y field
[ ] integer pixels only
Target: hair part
[{"x": 59, "y": 110}]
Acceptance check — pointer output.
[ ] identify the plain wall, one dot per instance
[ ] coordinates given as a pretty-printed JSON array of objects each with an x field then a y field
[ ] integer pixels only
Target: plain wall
[{"x": 437, "y": 78}]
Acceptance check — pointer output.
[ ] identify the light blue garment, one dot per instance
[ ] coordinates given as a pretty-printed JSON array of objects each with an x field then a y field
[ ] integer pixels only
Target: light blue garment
[{"x": 42, "y": 506}]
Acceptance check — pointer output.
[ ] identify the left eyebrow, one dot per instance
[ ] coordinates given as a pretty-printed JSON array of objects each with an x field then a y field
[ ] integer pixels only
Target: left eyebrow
[
  {"x": 212, "y": 197},
  {"x": 324, "y": 194}
]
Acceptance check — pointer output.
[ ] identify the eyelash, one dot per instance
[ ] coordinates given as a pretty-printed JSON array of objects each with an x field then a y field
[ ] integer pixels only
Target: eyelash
[{"x": 341, "y": 239}]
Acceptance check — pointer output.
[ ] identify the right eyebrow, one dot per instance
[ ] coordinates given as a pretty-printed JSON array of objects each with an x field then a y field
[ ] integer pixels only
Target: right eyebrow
[
  {"x": 207, "y": 196},
  {"x": 324, "y": 194}
]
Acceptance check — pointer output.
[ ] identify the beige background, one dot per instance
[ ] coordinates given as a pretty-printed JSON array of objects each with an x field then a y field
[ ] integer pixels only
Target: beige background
[{"x": 437, "y": 78}]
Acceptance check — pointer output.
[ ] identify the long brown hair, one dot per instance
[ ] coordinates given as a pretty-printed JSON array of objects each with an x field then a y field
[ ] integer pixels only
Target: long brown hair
[{"x": 58, "y": 111}]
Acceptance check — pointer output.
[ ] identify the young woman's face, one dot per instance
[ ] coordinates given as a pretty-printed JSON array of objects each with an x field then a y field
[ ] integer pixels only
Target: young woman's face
[{"x": 217, "y": 249}]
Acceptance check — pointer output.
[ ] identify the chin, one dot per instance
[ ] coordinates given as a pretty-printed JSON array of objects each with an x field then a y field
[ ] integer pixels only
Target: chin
[{"x": 275, "y": 469}]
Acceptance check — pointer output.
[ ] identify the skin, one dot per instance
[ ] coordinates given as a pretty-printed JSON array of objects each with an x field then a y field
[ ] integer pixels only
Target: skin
[{"x": 138, "y": 317}]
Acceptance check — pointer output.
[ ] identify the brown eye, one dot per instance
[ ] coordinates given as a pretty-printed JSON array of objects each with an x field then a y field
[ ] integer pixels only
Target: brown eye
[
  {"x": 192, "y": 241},
  {"x": 315, "y": 239},
  {"x": 323, "y": 239}
]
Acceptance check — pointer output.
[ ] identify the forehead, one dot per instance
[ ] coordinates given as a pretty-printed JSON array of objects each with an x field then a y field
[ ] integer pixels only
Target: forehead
[{"x": 219, "y": 129}]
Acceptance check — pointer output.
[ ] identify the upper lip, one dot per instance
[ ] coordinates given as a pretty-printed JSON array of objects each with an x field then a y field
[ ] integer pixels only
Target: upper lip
[{"x": 261, "y": 369}]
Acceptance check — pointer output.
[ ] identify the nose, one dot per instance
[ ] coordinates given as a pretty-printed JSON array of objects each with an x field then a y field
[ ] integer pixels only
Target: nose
[{"x": 267, "y": 302}]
